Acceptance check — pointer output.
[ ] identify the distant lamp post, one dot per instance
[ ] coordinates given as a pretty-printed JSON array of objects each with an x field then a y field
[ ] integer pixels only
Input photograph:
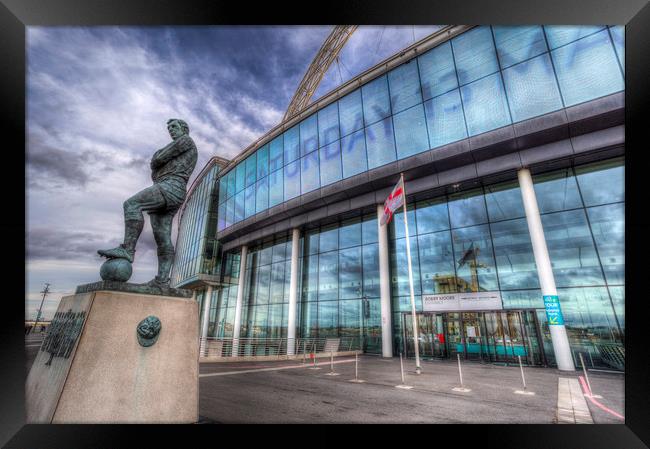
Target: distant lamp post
[{"x": 45, "y": 291}]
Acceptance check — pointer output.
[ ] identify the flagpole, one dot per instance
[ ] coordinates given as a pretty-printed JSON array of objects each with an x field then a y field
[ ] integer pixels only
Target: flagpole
[{"x": 416, "y": 341}]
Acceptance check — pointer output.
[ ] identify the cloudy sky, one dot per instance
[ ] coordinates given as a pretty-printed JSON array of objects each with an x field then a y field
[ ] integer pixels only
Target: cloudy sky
[{"x": 98, "y": 100}]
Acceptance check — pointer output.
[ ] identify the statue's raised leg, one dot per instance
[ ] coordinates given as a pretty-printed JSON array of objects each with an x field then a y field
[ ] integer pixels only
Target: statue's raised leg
[{"x": 145, "y": 200}]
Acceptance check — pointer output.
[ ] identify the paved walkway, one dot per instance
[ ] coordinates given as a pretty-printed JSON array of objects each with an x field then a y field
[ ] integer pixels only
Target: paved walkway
[{"x": 290, "y": 392}]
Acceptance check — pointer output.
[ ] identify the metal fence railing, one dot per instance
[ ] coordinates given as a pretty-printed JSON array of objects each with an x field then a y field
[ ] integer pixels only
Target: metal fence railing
[{"x": 278, "y": 347}]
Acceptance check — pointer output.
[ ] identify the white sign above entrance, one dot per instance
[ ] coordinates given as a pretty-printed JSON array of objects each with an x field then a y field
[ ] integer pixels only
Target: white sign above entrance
[{"x": 462, "y": 301}]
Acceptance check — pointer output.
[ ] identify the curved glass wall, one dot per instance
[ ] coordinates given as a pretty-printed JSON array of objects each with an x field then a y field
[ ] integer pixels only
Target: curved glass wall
[
  {"x": 478, "y": 240},
  {"x": 469, "y": 241},
  {"x": 483, "y": 79},
  {"x": 222, "y": 312},
  {"x": 196, "y": 244}
]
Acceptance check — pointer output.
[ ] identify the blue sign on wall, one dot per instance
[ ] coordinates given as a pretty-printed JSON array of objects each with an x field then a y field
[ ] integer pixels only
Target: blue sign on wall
[{"x": 553, "y": 311}]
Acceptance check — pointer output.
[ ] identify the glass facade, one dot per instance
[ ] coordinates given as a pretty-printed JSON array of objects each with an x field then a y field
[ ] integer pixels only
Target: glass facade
[
  {"x": 478, "y": 240},
  {"x": 471, "y": 241},
  {"x": 196, "y": 249},
  {"x": 480, "y": 80}
]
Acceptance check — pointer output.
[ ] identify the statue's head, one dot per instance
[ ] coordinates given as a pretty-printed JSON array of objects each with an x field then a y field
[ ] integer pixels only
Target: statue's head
[{"x": 177, "y": 128}]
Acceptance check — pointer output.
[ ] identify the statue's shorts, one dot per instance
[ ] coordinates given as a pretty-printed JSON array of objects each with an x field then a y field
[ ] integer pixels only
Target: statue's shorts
[{"x": 160, "y": 198}]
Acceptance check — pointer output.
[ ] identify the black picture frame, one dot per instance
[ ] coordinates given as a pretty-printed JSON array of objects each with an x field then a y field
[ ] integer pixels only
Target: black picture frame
[{"x": 15, "y": 15}]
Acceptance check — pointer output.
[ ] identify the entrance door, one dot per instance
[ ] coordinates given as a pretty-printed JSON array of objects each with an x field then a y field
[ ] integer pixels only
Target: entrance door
[
  {"x": 473, "y": 336},
  {"x": 494, "y": 336},
  {"x": 430, "y": 335}
]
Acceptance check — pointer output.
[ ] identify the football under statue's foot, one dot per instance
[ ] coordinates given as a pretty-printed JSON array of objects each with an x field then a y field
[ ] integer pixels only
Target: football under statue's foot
[{"x": 117, "y": 253}]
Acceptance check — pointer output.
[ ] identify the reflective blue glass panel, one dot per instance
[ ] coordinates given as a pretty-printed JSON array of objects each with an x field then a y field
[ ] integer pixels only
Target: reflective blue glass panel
[
  {"x": 311, "y": 242},
  {"x": 467, "y": 208},
  {"x": 329, "y": 239},
  {"x": 309, "y": 320},
  {"x": 437, "y": 71},
  {"x": 328, "y": 282},
  {"x": 276, "y": 188},
  {"x": 571, "y": 249},
  {"x": 399, "y": 269},
  {"x": 263, "y": 283},
  {"x": 396, "y": 226},
  {"x": 230, "y": 212},
  {"x": 250, "y": 201},
  {"x": 618, "y": 298},
  {"x": 221, "y": 221},
  {"x": 276, "y": 155},
  {"x": 279, "y": 252},
  {"x": 558, "y": 35},
  {"x": 485, "y": 105},
  {"x": 437, "y": 263},
  {"x": 328, "y": 319},
  {"x": 523, "y": 299},
  {"x": 231, "y": 183},
  {"x": 328, "y": 124},
  {"x": 350, "y": 275},
  {"x": 351, "y": 112},
  {"x": 251, "y": 169},
  {"x": 310, "y": 278},
  {"x": 404, "y": 85},
  {"x": 276, "y": 324},
  {"x": 376, "y": 101},
  {"x": 292, "y": 180},
  {"x": 309, "y": 173},
  {"x": 575, "y": 63},
  {"x": 474, "y": 54},
  {"x": 350, "y": 234},
  {"x": 445, "y": 119},
  {"x": 308, "y": 134},
  {"x": 330, "y": 163},
  {"x": 532, "y": 88},
  {"x": 588, "y": 311},
  {"x": 262, "y": 195},
  {"x": 608, "y": 228},
  {"x": 350, "y": 318},
  {"x": 556, "y": 191},
  {"x": 592, "y": 178},
  {"x": 504, "y": 201},
  {"x": 239, "y": 207},
  {"x": 353, "y": 153},
  {"x": 371, "y": 270},
  {"x": 240, "y": 177},
  {"x": 222, "y": 191},
  {"x": 518, "y": 43},
  {"x": 410, "y": 132},
  {"x": 291, "y": 144},
  {"x": 369, "y": 231},
  {"x": 475, "y": 267},
  {"x": 380, "y": 143},
  {"x": 618, "y": 36},
  {"x": 514, "y": 254},
  {"x": 263, "y": 162},
  {"x": 432, "y": 215}
]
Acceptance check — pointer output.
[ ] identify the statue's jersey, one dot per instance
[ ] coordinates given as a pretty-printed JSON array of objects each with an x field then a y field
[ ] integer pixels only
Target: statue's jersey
[{"x": 172, "y": 167}]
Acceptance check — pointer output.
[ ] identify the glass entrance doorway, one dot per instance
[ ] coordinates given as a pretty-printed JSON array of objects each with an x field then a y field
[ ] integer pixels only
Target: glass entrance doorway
[{"x": 490, "y": 336}]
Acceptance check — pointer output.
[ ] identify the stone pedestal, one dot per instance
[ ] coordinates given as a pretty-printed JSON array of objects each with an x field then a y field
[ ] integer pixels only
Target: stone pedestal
[{"x": 92, "y": 369}]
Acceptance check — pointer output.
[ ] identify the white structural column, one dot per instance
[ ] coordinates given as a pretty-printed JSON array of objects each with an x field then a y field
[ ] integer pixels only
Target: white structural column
[
  {"x": 240, "y": 299},
  {"x": 207, "y": 300},
  {"x": 384, "y": 287},
  {"x": 559, "y": 337},
  {"x": 293, "y": 291}
]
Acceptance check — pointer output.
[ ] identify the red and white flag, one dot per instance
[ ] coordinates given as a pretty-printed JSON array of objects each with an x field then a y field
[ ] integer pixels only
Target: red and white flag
[{"x": 393, "y": 202}]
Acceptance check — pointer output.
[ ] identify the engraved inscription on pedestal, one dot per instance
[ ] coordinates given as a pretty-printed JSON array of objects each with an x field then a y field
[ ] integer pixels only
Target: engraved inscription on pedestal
[
  {"x": 63, "y": 334},
  {"x": 50, "y": 369}
]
